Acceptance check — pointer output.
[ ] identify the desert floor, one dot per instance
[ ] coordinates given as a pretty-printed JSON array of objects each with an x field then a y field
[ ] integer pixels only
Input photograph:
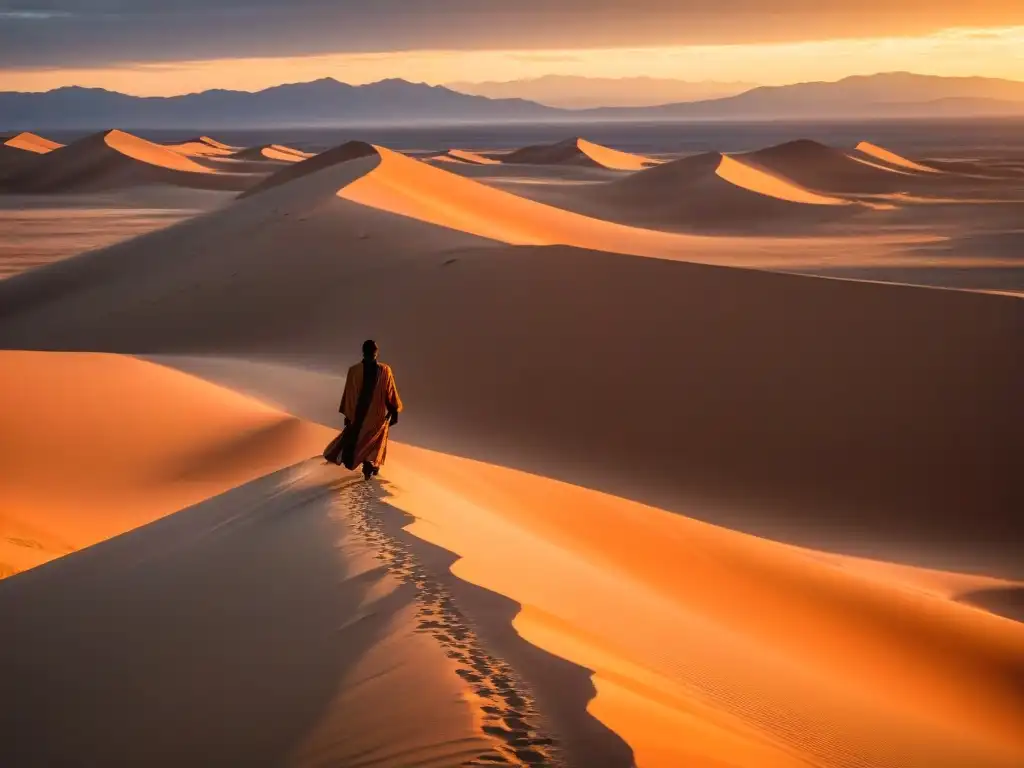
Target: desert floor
[{"x": 709, "y": 459}]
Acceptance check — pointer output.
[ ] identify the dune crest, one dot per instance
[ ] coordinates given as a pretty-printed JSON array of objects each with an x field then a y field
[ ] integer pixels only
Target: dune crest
[
  {"x": 891, "y": 158},
  {"x": 113, "y": 159},
  {"x": 121, "y": 461},
  {"x": 31, "y": 142},
  {"x": 578, "y": 151},
  {"x": 203, "y": 146},
  {"x": 748, "y": 177},
  {"x": 743, "y": 638},
  {"x": 824, "y": 169},
  {"x": 464, "y": 156},
  {"x": 276, "y": 152}
]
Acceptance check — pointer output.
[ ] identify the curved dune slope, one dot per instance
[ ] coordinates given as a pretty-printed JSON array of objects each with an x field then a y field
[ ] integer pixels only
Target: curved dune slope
[
  {"x": 796, "y": 658},
  {"x": 351, "y": 150},
  {"x": 708, "y": 192},
  {"x": 276, "y": 152},
  {"x": 464, "y": 156},
  {"x": 31, "y": 142},
  {"x": 891, "y": 158},
  {"x": 824, "y": 169},
  {"x": 118, "y": 159},
  {"x": 577, "y": 151},
  {"x": 132, "y": 462},
  {"x": 203, "y": 146},
  {"x": 754, "y": 179}
]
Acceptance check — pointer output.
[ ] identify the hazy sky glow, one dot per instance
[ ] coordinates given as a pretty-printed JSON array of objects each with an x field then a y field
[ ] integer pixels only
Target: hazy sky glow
[{"x": 251, "y": 44}]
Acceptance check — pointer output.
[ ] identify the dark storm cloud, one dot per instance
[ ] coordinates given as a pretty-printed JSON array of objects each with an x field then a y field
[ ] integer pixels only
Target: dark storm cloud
[{"x": 36, "y": 33}]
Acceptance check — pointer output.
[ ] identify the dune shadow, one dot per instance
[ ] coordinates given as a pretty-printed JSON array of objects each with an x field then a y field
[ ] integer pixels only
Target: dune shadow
[
  {"x": 215, "y": 636},
  {"x": 562, "y": 688},
  {"x": 1002, "y": 601}
]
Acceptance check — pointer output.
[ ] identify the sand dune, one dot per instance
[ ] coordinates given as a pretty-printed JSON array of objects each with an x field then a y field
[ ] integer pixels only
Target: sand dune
[
  {"x": 31, "y": 142},
  {"x": 825, "y": 169},
  {"x": 203, "y": 146},
  {"x": 891, "y": 158},
  {"x": 126, "y": 460},
  {"x": 271, "y": 152},
  {"x": 707, "y": 455},
  {"x": 577, "y": 151},
  {"x": 350, "y": 150},
  {"x": 360, "y": 262},
  {"x": 464, "y": 156},
  {"x": 259, "y": 627},
  {"x": 704, "y": 193},
  {"x": 117, "y": 159}
]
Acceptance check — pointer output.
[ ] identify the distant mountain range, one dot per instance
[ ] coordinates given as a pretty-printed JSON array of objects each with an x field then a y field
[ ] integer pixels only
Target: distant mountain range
[
  {"x": 321, "y": 102},
  {"x": 570, "y": 92},
  {"x": 894, "y": 94},
  {"x": 328, "y": 102}
]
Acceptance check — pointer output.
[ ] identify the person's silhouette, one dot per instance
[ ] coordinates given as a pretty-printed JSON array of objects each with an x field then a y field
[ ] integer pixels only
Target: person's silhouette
[{"x": 371, "y": 406}]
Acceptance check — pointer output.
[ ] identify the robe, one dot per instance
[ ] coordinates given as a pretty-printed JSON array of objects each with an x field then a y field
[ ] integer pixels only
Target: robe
[{"x": 369, "y": 399}]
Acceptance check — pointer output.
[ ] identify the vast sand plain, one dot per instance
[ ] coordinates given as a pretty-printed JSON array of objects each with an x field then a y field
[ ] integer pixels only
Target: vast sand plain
[{"x": 655, "y": 500}]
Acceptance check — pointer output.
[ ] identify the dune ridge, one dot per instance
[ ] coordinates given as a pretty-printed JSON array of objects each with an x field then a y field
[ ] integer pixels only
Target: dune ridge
[
  {"x": 141, "y": 464},
  {"x": 112, "y": 159},
  {"x": 31, "y": 142},
  {"x": 465, "y": 156},
  {"x": 203, "y": 146},
  {"x": 751, "y": 467},
  {"x": 578, "y": 151},
  {"x": 825, "y": 169},
  {"x": 891, "y": 158},
  {"x": 271, "y": 152}
]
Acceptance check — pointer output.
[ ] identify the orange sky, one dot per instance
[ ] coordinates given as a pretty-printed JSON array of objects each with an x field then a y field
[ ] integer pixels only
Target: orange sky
[{"x": 993, "y": 52}]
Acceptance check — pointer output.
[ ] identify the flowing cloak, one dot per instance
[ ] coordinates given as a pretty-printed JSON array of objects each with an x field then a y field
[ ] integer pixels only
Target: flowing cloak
[{"x": 370, "y": 397}]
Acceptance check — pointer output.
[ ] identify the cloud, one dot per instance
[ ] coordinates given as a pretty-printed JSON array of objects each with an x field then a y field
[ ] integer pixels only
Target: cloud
[{"x": 36, "y": 33}]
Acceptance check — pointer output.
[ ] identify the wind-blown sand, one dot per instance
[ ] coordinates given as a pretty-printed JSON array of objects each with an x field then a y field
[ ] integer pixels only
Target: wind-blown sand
[
  {"x": 577, "y": 151},
  {"x": 729, "y": 493}
]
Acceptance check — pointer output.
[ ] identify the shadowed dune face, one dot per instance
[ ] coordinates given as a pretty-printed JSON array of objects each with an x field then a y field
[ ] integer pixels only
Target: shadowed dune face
[
  {"x": 114, "y": 159},
  {"x": 406, "y": 252},
  {"x": 87, "y": 456},
  {"x": 202, "y": 146},
  {"x": 825, "y": 169},
  {"x": 351, "y": 150},
  {"x": 578, "y": 151},
  {"x": 709, "y": 193}
]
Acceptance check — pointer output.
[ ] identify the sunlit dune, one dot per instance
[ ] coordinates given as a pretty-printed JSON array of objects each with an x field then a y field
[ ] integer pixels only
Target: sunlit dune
[
  {"x": 257, "y": 626},
  {"x": 824, "y": 169},
  {"x": 31, "y": 142},
  {"x": 464, "y": 156},
  {"x": 707, "y": 193},
  {"x": 577, "y": 151},
  {"x": 660, "y": 510},
  {"x": 878, "y": 153},
  {"x": 742, "y": 638},
  {"x": 748, "y": 177},
  {"x": 272, "y": 152},
  {"x": 343, "y": 153},
  {"x": 113, "y": 159},
  {"x": 132, "y": 462},
  {"x": 203, "y": 146}
]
